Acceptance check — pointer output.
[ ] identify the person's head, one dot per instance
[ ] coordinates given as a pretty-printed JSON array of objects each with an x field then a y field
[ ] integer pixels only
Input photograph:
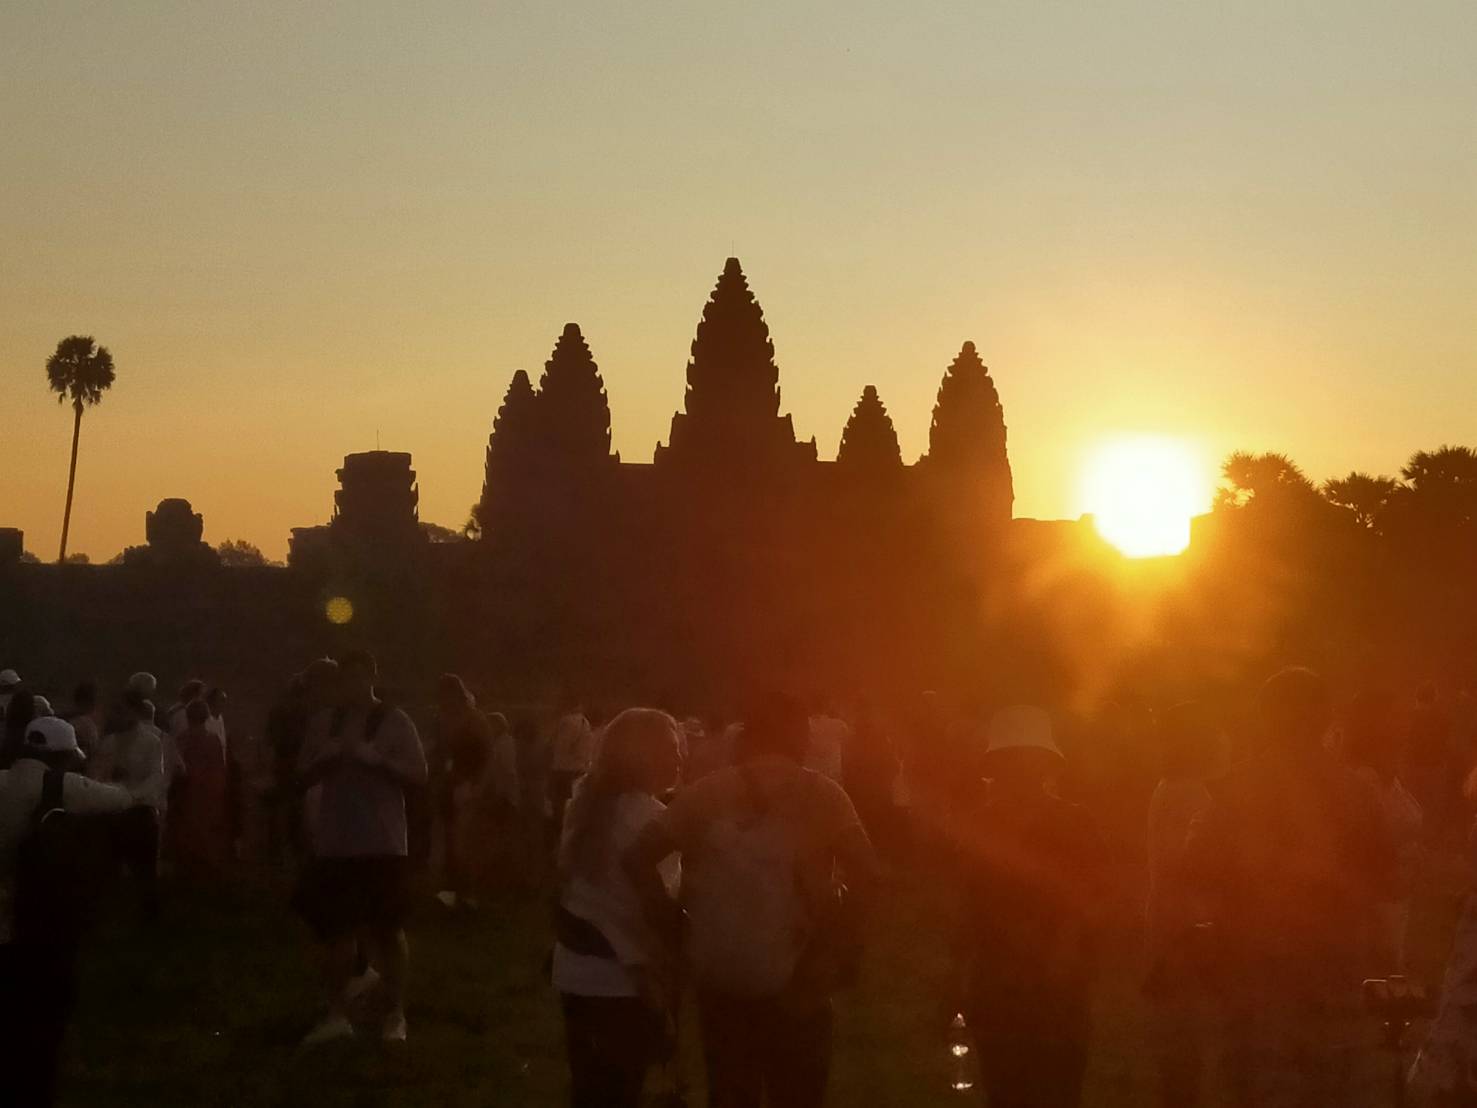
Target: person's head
[
  {"x": 143, "y": 684},
  {"x": 20, "y": 711},
  {"x": 9, "y": 681},
  {"x": 498, "y": 723},
  {"x": 320, "y": 682},
  {"x": 139, "y": 709},
  {"x": 193, "y": 689},
  {"x": 42, "y": 706},
  {"x": 1190, "y": 742},
  {"x": 777, "y": 725},
  {"x": 85, "y": 698},
  {"x": 52, "y": 741},
  {"x": 357, "y": 673},
  {"x": 197, "y": 713},
  {"x": 1022, "y": 756},
  {"x": 452, "y": 695},
  {"x": 639, "y": 752},
  {"x": 1295, "y": 709},
  {"x": 215, "y": 700}
]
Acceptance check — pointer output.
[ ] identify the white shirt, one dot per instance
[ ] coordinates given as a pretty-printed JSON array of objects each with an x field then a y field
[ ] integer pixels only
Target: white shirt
[
  {"x": 609, "y": 901},
  {"x": 20, "y": 792}
]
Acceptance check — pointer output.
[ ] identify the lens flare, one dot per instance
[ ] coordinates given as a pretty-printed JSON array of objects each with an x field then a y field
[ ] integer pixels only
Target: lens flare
[
  {"x": 339, "y": 610},
  {"x": 1142, "y": 493}
]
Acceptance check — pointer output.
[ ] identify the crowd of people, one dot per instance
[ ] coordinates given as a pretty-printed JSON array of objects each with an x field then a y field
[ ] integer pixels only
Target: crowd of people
[{"x": 731, "y": 865}]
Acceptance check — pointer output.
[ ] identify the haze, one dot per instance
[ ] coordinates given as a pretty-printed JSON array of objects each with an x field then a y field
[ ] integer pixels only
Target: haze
[{"x": 305, "y": 229}]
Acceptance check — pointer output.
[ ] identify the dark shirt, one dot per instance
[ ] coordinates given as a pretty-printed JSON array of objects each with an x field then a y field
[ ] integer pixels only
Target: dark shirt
[{"x": 1033, "y": 876}]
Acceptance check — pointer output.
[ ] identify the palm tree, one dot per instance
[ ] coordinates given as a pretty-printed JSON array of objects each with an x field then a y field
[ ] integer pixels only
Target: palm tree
[
  {"x": 1365, "y": 497},
  {"x": 82, "y": 371}
]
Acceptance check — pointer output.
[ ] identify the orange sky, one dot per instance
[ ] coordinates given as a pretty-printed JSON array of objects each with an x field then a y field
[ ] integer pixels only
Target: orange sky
[{"x": 301, "y": 229}]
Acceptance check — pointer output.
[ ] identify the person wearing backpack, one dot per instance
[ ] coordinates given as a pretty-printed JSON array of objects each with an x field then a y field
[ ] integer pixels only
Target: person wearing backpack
[
  {"x": 611, "y": 967},
  {"x": 771, "y": 930},
  {"x": 364, "y": 755},
  {"x": 41, "y": 918}
]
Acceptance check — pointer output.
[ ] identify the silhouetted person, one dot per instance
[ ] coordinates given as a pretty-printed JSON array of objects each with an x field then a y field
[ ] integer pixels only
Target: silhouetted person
[
  {"x": 365, "y": 755},
  {"x": 1179, "y": 983},
  {"x": 201, "y": 819},
  {"x": 615, "y": 971},
  {"x": 1296, "y": 855},
  {"x": 86, "y": 717},
  {"x": 1032, "y": 870},
  {"x": 37, "y": 950},
  {"x": 19, "y": 712},
  {"x": 463, "y": 750},
  {"x": 769, "y": 939},
  {"x": 1371, "y": 747},
  {"x": 1430, "y": 767},
  {"x": 307, "y": 694},
  {"x": 572, "y": 749}
]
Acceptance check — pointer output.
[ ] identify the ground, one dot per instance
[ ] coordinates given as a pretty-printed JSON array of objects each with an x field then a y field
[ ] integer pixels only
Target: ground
[{"x": 206, "y": 1007}]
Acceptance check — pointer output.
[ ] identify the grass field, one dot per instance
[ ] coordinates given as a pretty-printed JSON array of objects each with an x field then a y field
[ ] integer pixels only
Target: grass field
[{"x": 206, "y": 1008}]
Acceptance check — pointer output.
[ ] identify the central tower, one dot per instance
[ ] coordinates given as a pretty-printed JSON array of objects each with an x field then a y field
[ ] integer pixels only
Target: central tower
[{"x": 731, "y": 419}]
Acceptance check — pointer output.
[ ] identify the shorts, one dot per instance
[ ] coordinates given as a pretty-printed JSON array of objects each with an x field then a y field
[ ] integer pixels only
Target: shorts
[{"x": 338, "y": 896}]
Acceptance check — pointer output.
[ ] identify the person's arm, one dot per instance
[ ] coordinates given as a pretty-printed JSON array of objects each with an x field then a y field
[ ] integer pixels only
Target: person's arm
[
  {"x": 85, "y": 797},
  {"x": 642, "y": 864},
  {"x": 401, "y": 757}
]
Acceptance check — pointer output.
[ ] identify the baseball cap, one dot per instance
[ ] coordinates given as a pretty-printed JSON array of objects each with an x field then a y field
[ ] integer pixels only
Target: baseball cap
[
  {"x": 50, "y": 735},
  {"x": 1022, "y": 727},
  {"x": 42, "y": 706},
  {"x": 9, "y": 679}
]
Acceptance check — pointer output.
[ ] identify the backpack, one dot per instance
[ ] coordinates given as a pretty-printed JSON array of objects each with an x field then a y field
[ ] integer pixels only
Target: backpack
[
  {"x": 748, "y": 923},
  {"x": 60, "y": 868}
]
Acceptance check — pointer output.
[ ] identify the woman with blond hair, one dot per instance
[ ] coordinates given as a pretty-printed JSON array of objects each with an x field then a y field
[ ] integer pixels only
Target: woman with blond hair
[{"x": 611, "y": 965}]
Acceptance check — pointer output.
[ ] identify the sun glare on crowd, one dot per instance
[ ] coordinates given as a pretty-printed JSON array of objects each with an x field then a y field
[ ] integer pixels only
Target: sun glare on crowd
[{"x": 1143, "y": 491}]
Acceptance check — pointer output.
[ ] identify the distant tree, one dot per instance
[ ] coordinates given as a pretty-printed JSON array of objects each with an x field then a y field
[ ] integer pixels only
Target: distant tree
[
  {"x": 512, "y": 454},
  {"x": 967, "y": 436},
  {"x": 238, "y": 552},
  {"x": 574, "y": 413},
  {"x": 1449, "y": 473},
  {"x": 1262, "y": 478},
  {"x": 78, "y": 559},
  {"x": 472, "y": 529},
  {"x": 436, "y": 533},
  {"x": 1364, "y": 496},
  {"x": 730, "y": 415},
  {"x": 869, "y": 441},
  {"x": 80, "y": 371}
]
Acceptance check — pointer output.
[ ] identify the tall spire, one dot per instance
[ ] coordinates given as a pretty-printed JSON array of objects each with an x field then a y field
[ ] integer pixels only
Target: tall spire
[
  {"x": 731, "y": 407},
  {"x": 574, "y": 410},
  {"x": 966, "y": 440},
  {"x": 511, "y": 453},
  {"x": 869, "y": 442}
]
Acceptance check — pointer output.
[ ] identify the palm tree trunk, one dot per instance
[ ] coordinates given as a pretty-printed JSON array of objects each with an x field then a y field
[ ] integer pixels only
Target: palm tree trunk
[{"x": 71, "y": 481}]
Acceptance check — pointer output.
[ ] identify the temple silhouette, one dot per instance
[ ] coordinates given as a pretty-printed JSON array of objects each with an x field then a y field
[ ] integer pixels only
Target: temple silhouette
[{"x": 734, "y": 558}]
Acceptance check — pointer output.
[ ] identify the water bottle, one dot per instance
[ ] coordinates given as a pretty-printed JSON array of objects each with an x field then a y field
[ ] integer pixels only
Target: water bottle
[{"x": 961, "y": 1056}]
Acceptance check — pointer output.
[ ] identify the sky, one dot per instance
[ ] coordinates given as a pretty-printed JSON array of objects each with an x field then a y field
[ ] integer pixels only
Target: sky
[{"x": 304, "y": 230}]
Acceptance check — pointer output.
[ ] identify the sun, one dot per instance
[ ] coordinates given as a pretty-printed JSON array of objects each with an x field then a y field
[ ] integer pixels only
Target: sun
[{"x": 1142, "y": 492}]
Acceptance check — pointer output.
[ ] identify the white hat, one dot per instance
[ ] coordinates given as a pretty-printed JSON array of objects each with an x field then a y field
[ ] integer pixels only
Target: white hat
[
  {"x": 42, "y": 706},
  {"x": 143, "y": 683},
  {"x": 1022, "y": 727},
  {"x": 51, "y": 736},
  {"x": 9, "y": 679}
]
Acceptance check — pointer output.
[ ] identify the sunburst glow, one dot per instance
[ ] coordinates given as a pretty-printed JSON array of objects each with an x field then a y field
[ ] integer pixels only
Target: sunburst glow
[{"x": 1143, "y": 491}]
